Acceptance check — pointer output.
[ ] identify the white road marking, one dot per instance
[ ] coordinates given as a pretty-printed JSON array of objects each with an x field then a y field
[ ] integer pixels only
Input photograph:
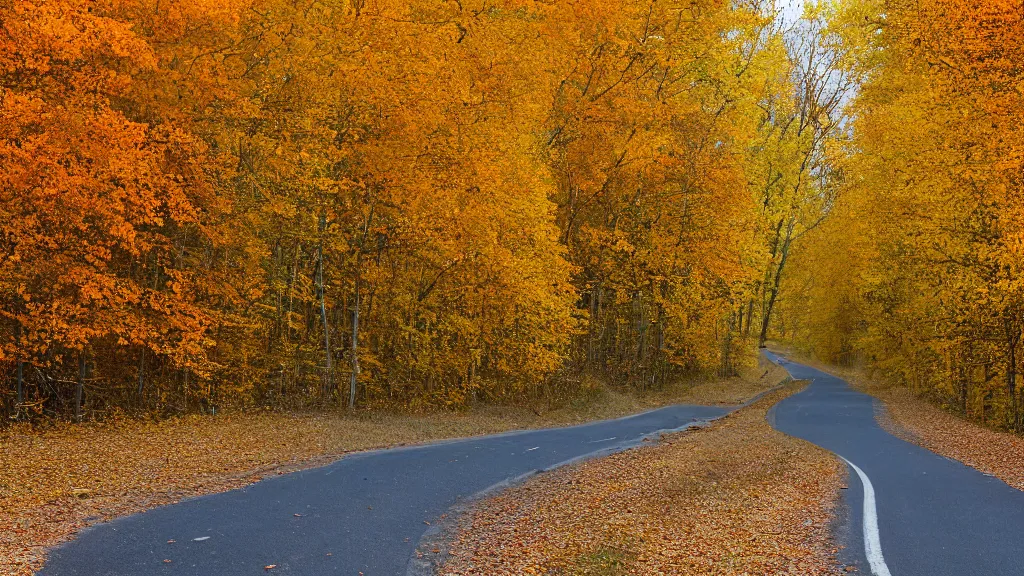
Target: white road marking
[
  {"x": 201, "y": 538},
  {"x": 872, "y": 543},
  {"x": 532, "y": 449},
  {"x": 602, "y": 440}
]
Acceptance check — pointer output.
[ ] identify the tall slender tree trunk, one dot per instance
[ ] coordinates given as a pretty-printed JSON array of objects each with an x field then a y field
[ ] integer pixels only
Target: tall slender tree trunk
[
  {"x": 142, "y": 373},
  {"x": 1011, "y": 377},
  {"x": 20, "y": 376},
  {"x": 1011, "y": 387},
  {"x": 78, "y": 388},
  {"x": 963, "y": 388},
  {"x": 773, "y": 293},
  {"x": 21, "y": 384},
  {"x": 329, "y": 374},
  {"x": 353, "y": 382},
  {"x": 184, "y": 389},
  {"x": 354, "y": 376},
  {"x": 592, "y": 328}
]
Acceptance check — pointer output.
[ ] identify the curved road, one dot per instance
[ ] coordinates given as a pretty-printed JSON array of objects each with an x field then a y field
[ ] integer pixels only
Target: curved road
[
  {"x": 363, "y": 514},
  {"x": 934, "y": 516}
]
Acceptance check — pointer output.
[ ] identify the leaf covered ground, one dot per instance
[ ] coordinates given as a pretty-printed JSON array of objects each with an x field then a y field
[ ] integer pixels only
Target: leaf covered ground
[
  {"x": 58, "y": 481},
  {"x": 734, "y": 498},
  {"x": 991, "y": 451}
]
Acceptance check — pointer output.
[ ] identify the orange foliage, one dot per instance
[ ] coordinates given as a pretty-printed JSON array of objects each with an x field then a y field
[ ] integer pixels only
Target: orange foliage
[
  {"x": 923, "y": 256},
  {"x": 258, "y": 202}
]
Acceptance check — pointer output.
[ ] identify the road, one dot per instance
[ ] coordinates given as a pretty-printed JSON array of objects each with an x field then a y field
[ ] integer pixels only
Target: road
[
  {"x": 934, "y": 516},
  {"x": 363, "y": 514}
]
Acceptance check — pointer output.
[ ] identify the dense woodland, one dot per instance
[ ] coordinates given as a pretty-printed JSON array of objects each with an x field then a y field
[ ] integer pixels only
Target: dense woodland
[
  {"x": 917, "y": 272},
  {"x": 295, "y": 203}
]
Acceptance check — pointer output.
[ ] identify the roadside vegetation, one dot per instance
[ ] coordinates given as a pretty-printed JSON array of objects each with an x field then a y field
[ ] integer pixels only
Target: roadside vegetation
[
  {"x": 213, "y": 205},
  {"x": 734, "y": 498},
  {"x": 918, "y": 272},
  {"x": 223, "y": 223},
  {"x": 55, "y": 482}
]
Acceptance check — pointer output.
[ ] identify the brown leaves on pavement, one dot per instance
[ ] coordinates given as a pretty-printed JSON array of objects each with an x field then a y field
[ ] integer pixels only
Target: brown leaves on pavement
[{"x": 735, "y": 498}]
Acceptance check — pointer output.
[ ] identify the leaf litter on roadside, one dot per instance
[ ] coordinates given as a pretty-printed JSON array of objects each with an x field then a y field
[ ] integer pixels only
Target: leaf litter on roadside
[
  {"x": 734, "y": 498},
  {"x": 55, "y": 482},
  {"x": 994, "y": 452}
]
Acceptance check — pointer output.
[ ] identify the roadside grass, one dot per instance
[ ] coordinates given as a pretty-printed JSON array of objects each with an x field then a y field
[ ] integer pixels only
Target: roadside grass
[
  {"x": 604, "y": 562},
  {"x": 735, "y": 498},
  {"x": 56, "y": 481}
]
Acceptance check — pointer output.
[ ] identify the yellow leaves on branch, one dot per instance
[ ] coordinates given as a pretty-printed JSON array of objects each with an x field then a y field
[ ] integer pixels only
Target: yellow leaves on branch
[
  {"x": 919, "y": 268},
  {"x": 258, "y": 202}
]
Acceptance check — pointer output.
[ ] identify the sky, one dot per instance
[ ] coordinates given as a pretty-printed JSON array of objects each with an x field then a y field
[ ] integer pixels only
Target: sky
[{"x": 791, "y": 9}]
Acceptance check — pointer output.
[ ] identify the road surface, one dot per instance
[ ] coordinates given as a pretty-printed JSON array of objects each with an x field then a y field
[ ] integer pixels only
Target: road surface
[
  {"x": 363, "y": 514},
  {"x": 934, "y": 516}
]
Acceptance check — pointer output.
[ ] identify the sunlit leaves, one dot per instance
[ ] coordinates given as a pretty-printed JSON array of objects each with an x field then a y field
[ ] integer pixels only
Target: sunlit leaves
[{"x": 920, "y": 269}]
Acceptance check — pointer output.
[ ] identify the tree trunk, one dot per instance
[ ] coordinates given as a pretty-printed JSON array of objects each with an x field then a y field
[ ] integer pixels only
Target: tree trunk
[
  {"x": 354, "y": 376},
  {"x": 184, "y": 389},
  {"x": 142, "y": 374},
  {"x": 20, "y": 376},
  {"x": 750, "y": 316},
  {"x": 963, "y": 384},
  {"x": 20, "y": 385},
  {"x": 353, "y": 381},
  {"x": 329, "y": 374},
  {"x": 1011, "y": 380},
  {"x": 773, "y": 295},
  {"x": 79, "y": 386}
]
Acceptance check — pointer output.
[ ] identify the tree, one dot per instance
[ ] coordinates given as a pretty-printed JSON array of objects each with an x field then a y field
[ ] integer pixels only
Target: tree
[{"x": 932, "y": 200}]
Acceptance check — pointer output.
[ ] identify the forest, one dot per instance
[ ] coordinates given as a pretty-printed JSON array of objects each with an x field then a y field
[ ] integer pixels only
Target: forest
[
  {"x": 638, "y": 286},
  {"x": 376, "y": 203},
  {"x": 917, "y": 271},
  {"x": 285, "y": 204}
]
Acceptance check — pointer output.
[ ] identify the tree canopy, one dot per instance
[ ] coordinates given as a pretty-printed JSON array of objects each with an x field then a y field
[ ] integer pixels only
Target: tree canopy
[{"x": 267, "y": 203}]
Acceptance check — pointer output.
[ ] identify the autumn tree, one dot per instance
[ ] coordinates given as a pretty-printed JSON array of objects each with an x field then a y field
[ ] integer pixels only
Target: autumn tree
[
  {"x": 790, "y": 170},
  {"x": 267, "y": 203},
  {"x": 647, "y": 139},
  {"x": 99, "y": 211},
  {"x": 932, "y": 201}
]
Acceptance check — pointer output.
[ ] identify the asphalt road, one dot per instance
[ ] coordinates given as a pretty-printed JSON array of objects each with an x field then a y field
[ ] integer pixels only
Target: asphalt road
[
  {"x": 935, "y": 516},
  {"x": 363, "y": 514}
]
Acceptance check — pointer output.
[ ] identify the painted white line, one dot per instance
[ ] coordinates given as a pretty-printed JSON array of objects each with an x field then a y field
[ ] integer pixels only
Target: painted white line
[
  {"x": 872, "y": 543},
  {"x": 532, "y": 449},
  {"x": 602, "y": 440}
]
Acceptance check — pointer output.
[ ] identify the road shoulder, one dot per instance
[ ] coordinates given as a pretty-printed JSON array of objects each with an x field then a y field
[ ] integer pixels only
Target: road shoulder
[{"x": 992, "y": 452}]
